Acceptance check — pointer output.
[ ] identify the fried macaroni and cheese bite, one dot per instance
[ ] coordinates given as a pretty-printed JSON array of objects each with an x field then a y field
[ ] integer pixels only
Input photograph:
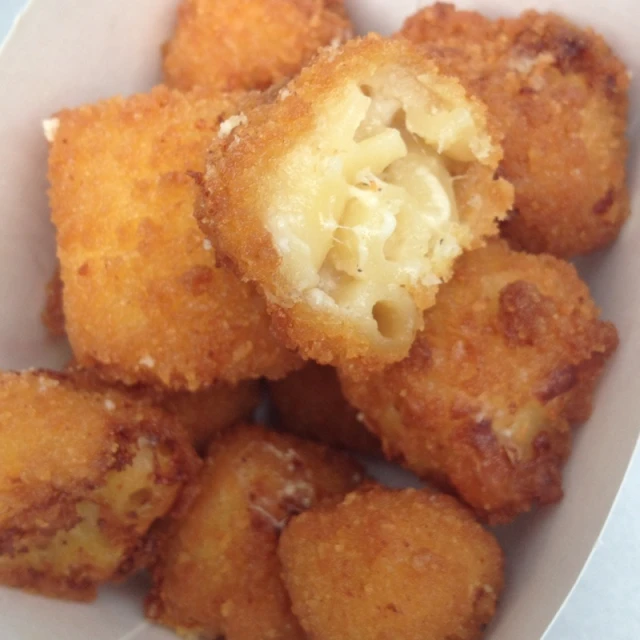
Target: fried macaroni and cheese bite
[
  {"x": 560, "y": 95},
  {"x": 310, "y": 404},
  {"x": 348, "y": 198},
  {"x": 249, "y": 44},
  {"x": 219, "y": 574},
  {"x": 508, "y": 359},
  {"x": 84, "y": 474},
  {"x": 144, "y": 300},
  {"x": 383, "y": 563}
]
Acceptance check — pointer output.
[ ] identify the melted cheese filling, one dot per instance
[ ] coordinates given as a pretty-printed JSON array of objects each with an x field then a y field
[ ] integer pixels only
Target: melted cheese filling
[{"x": 369, "y": 210}]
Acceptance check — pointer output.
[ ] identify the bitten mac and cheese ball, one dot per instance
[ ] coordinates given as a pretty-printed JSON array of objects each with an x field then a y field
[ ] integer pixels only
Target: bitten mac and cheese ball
[
  {"x": 309, "y": 403},
  {"x": 219, "y": 574},
  {"x": 507, "y": 360},
  {"x": 401, "y": 565},
  {"x": 249, "y": 44},
  {"x": 349, "y": 197},
  {"x": 560, "y": 95},
  {"x": 144, "y": 300},
  {"x": 84, "y": 473}
]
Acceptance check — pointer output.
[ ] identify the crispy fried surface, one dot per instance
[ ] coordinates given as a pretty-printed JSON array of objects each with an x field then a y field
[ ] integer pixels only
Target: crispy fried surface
[
  {"x": 249, "y": 44},
  {"x": 84, "y": 473},
  {"x": 206, "y": 412},
  {"x": 53, "y": 312},
  {"x": 309, "y": 403},
  {"x": 202, "y": 414},
  {"x": 508, "y": 358},
  {"x": 350, "y": 221},
  {"x": 407, "y": 565},
  {"x": 560, "y": 95},
  {"x": 219, "y": 573},
  {"x": 144, "y": 300}
]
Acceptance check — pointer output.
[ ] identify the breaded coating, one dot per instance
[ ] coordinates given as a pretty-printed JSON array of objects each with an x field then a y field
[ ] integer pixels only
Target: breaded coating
[
  {"x": 53, "y": 312},
  {"x": 144, "y": 300},
  {"x": 560, "y": 95},
  {"x": 507, "y": 360},
  {"x": 206, "y": 412},
  {"x": 407, "y": 565},
  {"x": 249, "y": 44},
  {"x": 464, "y": 43},
  {"x": 310, "y": 404},
  {"x": 219, "y": 574},
  {"x": 350, "y": 221},
  {"x": 83, "y": 476},
  {"x": 203, "y": 413}
]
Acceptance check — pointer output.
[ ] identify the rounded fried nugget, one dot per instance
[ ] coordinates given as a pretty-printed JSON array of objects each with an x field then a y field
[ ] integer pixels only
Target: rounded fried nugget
[
  {"x": 508, "y": 358},
  {"x": 83, "y": 476},
  {"x": 350, "y": 221},
  {"x": 249, "y": 44},
  {"x": 144, "y": 300},
  {"x": 383, "y": 563},
  {"x": 565, "y": 145},
  {"x": 560, "y": 95},
  {"x": 218, "y": 574},
  {"x": 309, "y": 403}
]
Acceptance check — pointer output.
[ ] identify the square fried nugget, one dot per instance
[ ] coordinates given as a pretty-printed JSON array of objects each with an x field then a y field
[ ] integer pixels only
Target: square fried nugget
[
  {"x": 508, "y": 359},
  {"x": 309, "y": 403},
  {"x": 84, "y": 473},
  {"x": 249, "y": 44},
  {"x": 348, "y": 198},
  {"x": 218, "y": 573},
  {"x": 407, "y": 565},
  {"x": 144, "y": 301},
  {"x": 560, "y": 95}
]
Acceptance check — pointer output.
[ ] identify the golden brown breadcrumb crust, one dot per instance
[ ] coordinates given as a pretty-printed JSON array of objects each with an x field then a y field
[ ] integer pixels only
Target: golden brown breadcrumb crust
[
  {"x": 84, "y": 473},
  {"x": 508, "y": 358},
  {"x": 309, "y": 403},
  {"x": 53, "y": 312},
  {"x": 205, "y": 413},
  {"x": 202, "y": 414},
  {"x": 218, "y": 572},
  {"x": 560, "y": 95},
  {"x": 144, "y": 300},
  {"x": 239, "y": 185},
  {"x": 249, "y": 44},
  {"x": 407, "y": 565}
]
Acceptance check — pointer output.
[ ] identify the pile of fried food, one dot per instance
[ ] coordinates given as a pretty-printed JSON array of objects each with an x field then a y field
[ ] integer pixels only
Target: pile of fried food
[{"x": 378, "y": 228}]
